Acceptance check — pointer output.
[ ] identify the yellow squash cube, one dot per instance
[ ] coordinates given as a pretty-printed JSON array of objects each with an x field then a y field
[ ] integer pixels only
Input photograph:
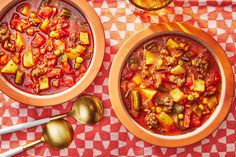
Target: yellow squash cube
[
  {"x": 199, "y": 85},
  {"x": 172, "y": 44},
  {"x": 20, "y": 43},
  {"x": 177, "y": 95},
  {"x": 10, "y": 68},
  {"x": 137, "y": 78},
  {"x": 150, "y": 58},
  {"x": 84, "y": 38},
  {"x": 148, "y": 93},
  {"x": 28, "y": 60}
]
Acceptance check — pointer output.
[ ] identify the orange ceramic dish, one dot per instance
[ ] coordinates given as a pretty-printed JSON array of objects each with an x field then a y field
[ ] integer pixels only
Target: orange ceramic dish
[
  {"x": 48, "y": 50},
  {"x": 159, "y": 134}
]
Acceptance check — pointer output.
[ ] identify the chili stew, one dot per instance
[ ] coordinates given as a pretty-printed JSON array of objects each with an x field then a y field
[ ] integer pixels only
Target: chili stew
[
  {"x": 46, "y": 46},
  {"x": 171, "y": 84}
]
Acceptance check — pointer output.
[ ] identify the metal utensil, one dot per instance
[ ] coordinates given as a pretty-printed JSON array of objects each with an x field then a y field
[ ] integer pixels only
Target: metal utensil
[
  {"x": 86, "y": 109},
  {"x": 57, "y": 134}
]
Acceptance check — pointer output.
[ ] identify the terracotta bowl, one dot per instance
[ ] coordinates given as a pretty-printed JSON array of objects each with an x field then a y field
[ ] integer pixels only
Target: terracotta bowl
[
  {"x": 96, "y": 62},
  {"x": 226, "y": 92}
]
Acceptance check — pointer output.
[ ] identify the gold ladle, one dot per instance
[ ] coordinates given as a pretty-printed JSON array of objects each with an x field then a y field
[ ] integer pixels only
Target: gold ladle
[
  {"x": 57, "y": 134},
  {"x": 86, "y": 109}
]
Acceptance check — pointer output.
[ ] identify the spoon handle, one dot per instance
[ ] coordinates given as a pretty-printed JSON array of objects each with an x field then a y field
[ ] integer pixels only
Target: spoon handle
[
  {"x": 12, "y": 152},
  {"x": 23, "y": 126},
  {"x": 22, "y": 148}
]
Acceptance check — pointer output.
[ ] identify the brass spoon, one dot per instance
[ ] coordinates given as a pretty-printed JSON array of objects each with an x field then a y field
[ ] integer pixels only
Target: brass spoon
[
  {"x": 57, "y": 134},
  {"x": 86, "y": 109}
]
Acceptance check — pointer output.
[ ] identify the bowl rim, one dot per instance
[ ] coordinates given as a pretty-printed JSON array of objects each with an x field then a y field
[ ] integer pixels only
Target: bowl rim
[
  {"x": 99, "y": 49},
  {"x": 227, "y": 86}
]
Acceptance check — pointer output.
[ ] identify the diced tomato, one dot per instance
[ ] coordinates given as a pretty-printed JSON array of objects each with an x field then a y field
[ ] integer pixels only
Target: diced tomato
[
  {"x": 184, "y": 101},
  {"x": 189, "y": 82},
  {"x": 213, "y": 78},
  {"x": 54, "y": 73},
  {"x": 15, "y": 21},
  {"x": 46, "y": 12},
  {"x": 29, "y": 84},
  {"x": 3, "y": 59},
  {"x": 83, "y": 68},
  {"x": 68, "y": 81},
  {"x": 66, "y": 67},
  {"x": 63, "y": 33},
  {"x": 65, "y": 24},
  {"x": 38, "y": 40},
  {"x": 195, "y": 121}
]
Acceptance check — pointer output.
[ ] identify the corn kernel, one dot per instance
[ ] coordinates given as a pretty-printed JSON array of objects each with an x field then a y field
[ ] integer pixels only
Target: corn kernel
[
  {"x": 195, "y": 94},
  {"x": 57, "y": 52},
  {"x": 77, "y": 66},
  {"x": 190, "y": 97},
  {"x": 158, "y": 109},
  {"x": 160, "y": 62},
  {"x": 205, "y": 100},
  {"x": 201, "y": 107},
  {"x": 79, "y": 60},
  {"x": 54, "y": 34},
  {"x": 193, "y": 62},
  {"x": 80, "y": 48},
  {"x": 180, "y": 116}
]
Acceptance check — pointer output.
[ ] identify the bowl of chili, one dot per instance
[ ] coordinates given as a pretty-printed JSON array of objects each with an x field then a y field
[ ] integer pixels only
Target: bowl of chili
[
  {"x": 51, "y": 50},
  {"x": 167, "y": 84}
]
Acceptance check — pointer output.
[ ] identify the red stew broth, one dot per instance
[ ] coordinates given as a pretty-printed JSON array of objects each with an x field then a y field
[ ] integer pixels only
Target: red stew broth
[
  {"x": 128, "y": 84},
  {"x": 77, "y": 24}
]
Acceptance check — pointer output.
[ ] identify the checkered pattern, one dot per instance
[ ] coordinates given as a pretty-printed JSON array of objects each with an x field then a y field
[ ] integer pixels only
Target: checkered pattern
[{"x": 109, "y": 137}]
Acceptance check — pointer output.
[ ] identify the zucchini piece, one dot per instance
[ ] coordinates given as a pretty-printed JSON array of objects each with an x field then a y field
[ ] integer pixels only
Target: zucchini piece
[
  {"x": 10, "y": 68},
  {"x": 20, "y": 43},
  {"x": 178, "y": 108},
  {"x": 199, "y": 85},
  {"x": 212, "y": 102},
  {"x": 197, "y": 111},
  {"x": 43, "y": 83},
  {"x": 150, "y": 58},
  {"x": 19, "y": 77},
  {"x": 84, "y": 38},
  {"x": 177, "y": 95},
  {"x": 65, "y": 13},
  {"x": 136, "y": 100},
  {"x": 165, "y": 119},
  {"x": 178, "y": 70},
  {"x": 151, "y": 46},
  {"x": 148, "y": 93},
  {"x": 28, "y": 60},
  {"x": 172, "y": 44}
]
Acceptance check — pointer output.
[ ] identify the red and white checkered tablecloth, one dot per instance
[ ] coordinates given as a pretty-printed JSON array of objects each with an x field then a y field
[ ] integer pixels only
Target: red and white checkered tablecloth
[{"x": 109, "y": 137}]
